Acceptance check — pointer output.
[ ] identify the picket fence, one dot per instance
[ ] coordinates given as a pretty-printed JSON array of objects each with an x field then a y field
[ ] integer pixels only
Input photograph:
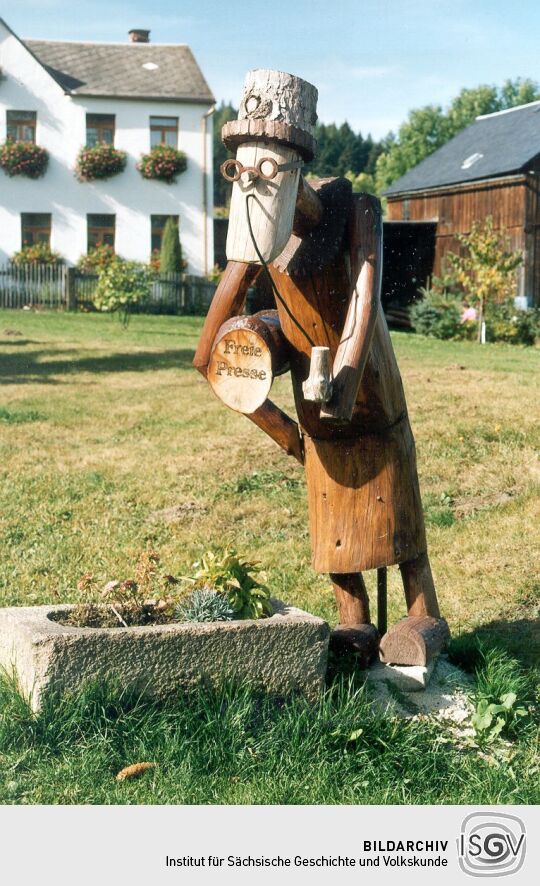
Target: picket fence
[{"x": 63, "y": 288}]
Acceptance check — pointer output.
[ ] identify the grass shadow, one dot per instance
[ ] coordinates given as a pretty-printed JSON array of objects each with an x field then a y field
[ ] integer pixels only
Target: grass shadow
[
  {"x": 520, "y": 639},
  {"x": 19, "y": 342},
  {"x": 29, "y": 368}
]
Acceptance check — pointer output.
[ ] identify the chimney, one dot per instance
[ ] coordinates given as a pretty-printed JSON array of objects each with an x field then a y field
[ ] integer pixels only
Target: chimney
[{"x": 138, "y": 35}]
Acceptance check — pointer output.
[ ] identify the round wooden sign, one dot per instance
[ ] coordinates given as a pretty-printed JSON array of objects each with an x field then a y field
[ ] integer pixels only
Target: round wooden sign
[{"x": 240, "y": 369}]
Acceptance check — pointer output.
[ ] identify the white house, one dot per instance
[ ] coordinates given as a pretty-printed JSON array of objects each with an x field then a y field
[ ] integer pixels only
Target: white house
[{"x": 65, "y": 95}]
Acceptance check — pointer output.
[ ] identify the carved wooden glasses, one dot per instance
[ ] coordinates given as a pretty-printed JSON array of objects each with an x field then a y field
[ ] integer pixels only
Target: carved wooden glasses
[{"x": 267, "y": 169}]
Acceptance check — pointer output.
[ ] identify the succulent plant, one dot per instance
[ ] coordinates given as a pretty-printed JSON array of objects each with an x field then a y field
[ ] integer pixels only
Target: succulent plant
[{"x": 205, "y": 604}]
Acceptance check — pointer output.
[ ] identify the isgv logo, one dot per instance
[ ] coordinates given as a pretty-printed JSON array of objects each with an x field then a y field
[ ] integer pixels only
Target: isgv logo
[{"x": 491, "y": 844}]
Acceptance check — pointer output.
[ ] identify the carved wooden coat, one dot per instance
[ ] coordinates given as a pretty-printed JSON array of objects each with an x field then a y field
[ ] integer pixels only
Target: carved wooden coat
[{"x": 363, "y": 494}]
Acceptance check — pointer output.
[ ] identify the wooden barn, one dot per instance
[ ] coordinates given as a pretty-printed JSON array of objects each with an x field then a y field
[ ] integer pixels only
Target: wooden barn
[{"x": 492, "y": 168}]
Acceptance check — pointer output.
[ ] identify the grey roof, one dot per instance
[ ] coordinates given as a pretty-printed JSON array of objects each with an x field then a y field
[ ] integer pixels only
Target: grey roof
[
  {"x": 116, "y": 69},
  {"x": 506, "y": 141}
]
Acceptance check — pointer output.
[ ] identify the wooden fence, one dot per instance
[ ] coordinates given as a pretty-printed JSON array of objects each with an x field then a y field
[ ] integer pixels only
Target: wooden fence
[
  {"x": 63, "y": 288},
  {"x": 24, "y": 286}
]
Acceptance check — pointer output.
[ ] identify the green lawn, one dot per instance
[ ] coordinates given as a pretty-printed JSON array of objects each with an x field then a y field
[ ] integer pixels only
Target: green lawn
[{"x": 110, "y": 441}]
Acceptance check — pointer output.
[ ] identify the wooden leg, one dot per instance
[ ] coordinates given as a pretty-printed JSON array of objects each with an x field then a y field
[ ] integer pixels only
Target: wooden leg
[
  {"x": 362, "y": 641},
  {"x": 382, "y": 599},
  {"x": 419, "y": 587},
  {"x": 351, "y": 597},
  {"x": 415, "y": 640}
]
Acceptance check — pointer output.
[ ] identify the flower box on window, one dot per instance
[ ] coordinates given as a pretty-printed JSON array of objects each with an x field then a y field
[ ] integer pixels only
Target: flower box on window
[
  {"x": 23, "y": 158},
  {"x": 98, "y": 162},
  {"x": 36, "y": 254},
  {"x": 163, "y": 163},
  {"x": 96, "y": 258}
]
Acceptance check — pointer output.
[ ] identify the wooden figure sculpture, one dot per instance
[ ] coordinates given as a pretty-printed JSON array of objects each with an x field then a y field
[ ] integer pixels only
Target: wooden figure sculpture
[{"x": 322, "y": 249}]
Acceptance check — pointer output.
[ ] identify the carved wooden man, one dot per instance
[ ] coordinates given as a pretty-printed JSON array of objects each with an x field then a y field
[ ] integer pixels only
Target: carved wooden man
[{"x": 322, "y": 247}]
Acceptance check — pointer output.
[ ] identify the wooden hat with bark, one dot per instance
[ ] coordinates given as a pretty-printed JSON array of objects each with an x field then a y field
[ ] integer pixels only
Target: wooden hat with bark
[{"x": 275, "y": 106}]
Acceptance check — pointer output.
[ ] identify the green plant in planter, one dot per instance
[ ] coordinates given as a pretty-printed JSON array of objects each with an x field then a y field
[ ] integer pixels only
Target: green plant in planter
[
  {"x": 122, "y": 286},
  {"x": 98, "y": 162},
  {"x": 163, "y": 163},
  {"x": 205, "y": 604},
  {"x": 226, "y": 573},
  {"x": 37, "y": 254},
  {"x": 23, "y": 158}
]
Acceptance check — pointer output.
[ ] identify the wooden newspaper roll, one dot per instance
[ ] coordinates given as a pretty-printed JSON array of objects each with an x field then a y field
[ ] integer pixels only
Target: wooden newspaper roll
[{"x": 248, "y": 352}]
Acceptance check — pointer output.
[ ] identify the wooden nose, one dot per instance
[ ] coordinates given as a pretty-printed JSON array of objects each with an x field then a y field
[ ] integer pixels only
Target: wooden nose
[{"x": 249, "y": 174}]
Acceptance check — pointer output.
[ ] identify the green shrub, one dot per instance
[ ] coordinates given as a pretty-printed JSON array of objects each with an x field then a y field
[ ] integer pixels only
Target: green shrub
[
  {"x": 37, "y": 254},
  {"x": 170, "y": 256},
  {"x": 98, "y": 162},
  {"x": 439, "y": 312},
  {"x": 23, "y": 158},
  {"x": 438, "y": 316},
  {"x": 122, "y": 285},
  {"x": 505, "y": 322},
  {"x": 163, "y": 163}
]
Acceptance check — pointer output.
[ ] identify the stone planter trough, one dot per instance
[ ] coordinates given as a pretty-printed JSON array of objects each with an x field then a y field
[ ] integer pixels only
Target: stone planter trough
[{"x": 284, "y": 653}]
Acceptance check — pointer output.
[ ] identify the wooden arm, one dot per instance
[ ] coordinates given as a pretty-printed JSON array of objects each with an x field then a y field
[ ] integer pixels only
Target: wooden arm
[
  {"x": 309, "y": 209},
  {"x": 282, "y": 429},
  {"x": 228, "y": 301},
  {"x": 353, "y": 350}
]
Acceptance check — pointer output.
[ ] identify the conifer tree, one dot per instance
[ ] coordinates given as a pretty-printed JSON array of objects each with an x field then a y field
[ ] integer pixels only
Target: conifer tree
[{"x": 170, "y": 256}]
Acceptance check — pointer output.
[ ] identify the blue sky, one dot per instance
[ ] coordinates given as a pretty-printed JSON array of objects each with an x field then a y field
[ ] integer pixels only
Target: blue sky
[{"x": 371, "y": 61}]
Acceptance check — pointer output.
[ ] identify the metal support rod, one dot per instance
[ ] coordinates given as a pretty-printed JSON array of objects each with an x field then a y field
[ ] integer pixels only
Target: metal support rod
[{"x": 382, "y": 598}]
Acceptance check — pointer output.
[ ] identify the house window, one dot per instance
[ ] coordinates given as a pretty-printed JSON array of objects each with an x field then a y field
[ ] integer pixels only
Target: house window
[
  {"x": 99, "y": 129},
  {"x": 406, "y": 214},
  {"x": 21, "y": 126},
  {"x": 35, "y": 228},
  {"x": 157, "y": 226},
  {"x": 164, "y": 131},
  {"x": 101, "y": 229}
]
